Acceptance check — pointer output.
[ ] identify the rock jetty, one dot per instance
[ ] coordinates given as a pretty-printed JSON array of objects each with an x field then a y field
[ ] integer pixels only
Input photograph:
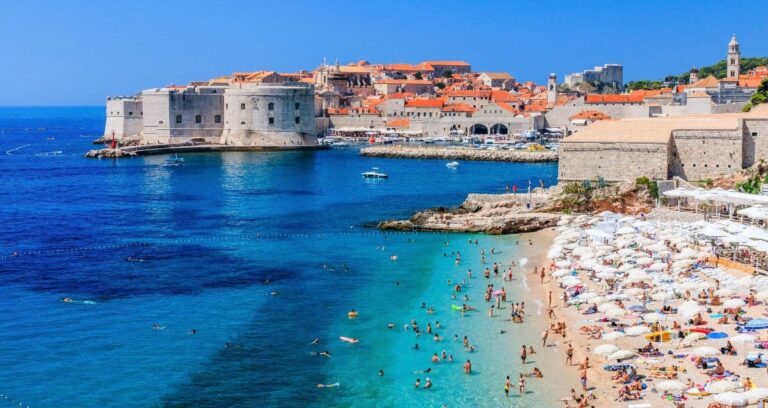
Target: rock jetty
[
  {"x": 108, "y": 154},
  {"x": 458, "y": 153}
]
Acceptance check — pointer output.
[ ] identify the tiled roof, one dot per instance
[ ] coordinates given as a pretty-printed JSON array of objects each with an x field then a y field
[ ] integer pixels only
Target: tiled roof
[
  {"x": 622, "y": 98},
  {"x": 404, "y": 82},
  {"x": 398, "y": 123},
  {"x": 458, "y": 107},
  {"x": 469, "y": 93},
  {"x": 424, "y": 103},
  {"x": 590, "y": 115},
  {"x": 400, "y": 95},
  {"x": 504, "y": 96},
  {"x": 708, "y": 82},
  {"x": 353, "y": 69},
  {"x": 338, "y": 111},
  {"x": 446, "y": 63},
  {"x": 497, "y": 75},
  {"x": 507, "y": 107}
]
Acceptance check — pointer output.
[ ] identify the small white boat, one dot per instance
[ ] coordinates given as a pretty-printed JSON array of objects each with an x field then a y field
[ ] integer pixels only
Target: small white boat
[
  {"x": 339, "y": 144},
  {"x": 173, "y": 161},
  {"x": 452, "y": 165},
  {"x": 374, "y": 174}
]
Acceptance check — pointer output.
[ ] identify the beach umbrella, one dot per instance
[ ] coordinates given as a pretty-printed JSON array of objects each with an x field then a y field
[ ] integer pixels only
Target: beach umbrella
[
  {"x": 657, "y": 247},
  {"x": 756, "y": 324},
  {"x": 743, "y": 338},
  {"x": 637, "y": 276},
  {"x": 661, "y": 296},
  {"x": 633, "y": 291},
  {"x": 560, "y": 273},
  {"x": 671, "y": 385},
  {"x": 606, "y": 349},
  {"x": 607, "y": 306},
  {"x": 621, "y": 355},
  {"x": 606, "y": 275},
  {"x": 654, "y": 317},
  {"x": 723, "y": 386},
  {"x": 613, "y": 335},
  {"x": 587, "y": 296},
  {"x": 637, "y": 331},
  {"x": 689, "y": 311},
  {"x": 658, "y": 266},
  {"x": 734, "y": 303},
  {"x": 762, "y": 295},
  {"x": 570, "y": 281},
  {"x": 563, "y": 264},
  {"x": 694, "y": 336},
  {"x": 755, "y": 395},
  {"x": 625, "y": 231},
  {"x": 725, "y": 292},
  {"x": 615, "y": 312},
  {"x": 638, "y": 308},
  {"x": 644, "y": 260},
  {"x": 706, "y": 352},
  {"x": 717, "y": 335}
]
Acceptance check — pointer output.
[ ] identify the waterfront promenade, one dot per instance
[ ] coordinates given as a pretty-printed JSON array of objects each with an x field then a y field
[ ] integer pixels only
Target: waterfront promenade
[{"x": 458, "y": 153}]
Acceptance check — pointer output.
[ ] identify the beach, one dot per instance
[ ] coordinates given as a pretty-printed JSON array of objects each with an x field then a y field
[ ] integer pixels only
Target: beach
[{"x": 641, "y": 277}]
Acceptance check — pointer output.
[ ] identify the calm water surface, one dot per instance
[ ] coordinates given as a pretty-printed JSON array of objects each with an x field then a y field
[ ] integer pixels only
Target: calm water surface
[{"x": 136, "y": 244}]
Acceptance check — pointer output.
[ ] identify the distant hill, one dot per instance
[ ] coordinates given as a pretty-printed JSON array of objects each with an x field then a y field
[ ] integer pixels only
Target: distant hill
[{"x": 718, "y": 70}]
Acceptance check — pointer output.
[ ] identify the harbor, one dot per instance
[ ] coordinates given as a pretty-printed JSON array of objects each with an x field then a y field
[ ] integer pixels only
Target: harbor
[{"x": 435, "y": 152}]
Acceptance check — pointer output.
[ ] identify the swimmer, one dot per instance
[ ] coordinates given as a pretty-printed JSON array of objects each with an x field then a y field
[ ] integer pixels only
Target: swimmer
[
  {"x": 428, "y": 384},
  {"x": 315, "y": 341},
  {"x": 425, "y": 371},
  {"x": 193, "y": 331},
  {"x": 273, "y": 293},
  {"x": 381, "y": 373},
  {"x": 416, "y": 346},
  {"x": 390, "y": 325},
  {"x": 327, "y": 385},
  {"x": 157, "y": 326},
  {"x": 67, "y": 299}
]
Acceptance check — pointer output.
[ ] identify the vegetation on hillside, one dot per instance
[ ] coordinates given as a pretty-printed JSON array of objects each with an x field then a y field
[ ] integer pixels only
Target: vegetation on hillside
[
  {"x": 761, "y": 96},
  {"x": 718, "y": 70}
]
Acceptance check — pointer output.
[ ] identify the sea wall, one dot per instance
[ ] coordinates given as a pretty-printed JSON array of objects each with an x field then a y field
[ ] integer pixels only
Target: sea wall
[{"x": 444, "y": 153}]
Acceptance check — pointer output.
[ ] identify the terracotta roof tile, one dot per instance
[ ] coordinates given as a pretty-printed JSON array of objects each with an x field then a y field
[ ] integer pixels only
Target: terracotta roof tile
[{"x": 458, "y": 107}]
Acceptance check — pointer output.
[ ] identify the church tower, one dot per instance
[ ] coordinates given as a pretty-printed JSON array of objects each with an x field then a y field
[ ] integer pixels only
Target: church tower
[
  {"x": 694, "y": 75},
  {"x": 734, "y": 59},
  {"x": 552, "y": 90}
]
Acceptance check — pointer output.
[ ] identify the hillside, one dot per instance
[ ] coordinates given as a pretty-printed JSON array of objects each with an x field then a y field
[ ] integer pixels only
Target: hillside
[{"x": 718, "y": 70}]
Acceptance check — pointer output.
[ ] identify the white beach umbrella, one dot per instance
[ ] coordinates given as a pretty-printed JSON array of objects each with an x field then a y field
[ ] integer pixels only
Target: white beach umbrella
[
  {"x": 657, "y": 247},
  {"x": 743, "y": 338},
  {"x": 560, "y": 273},
  {"x": 706, "y": 351},
  {"x": 762, "y": 295},
  {"x": 654, "y": 317},
  {"x": 671, "y": 385},
  {"x": 633, "y": 291},
  {"x": 723, "y": 387},
  {"x": 606, "y": 275},
  {"x": 658, "y": 266},
  {"x": 644, "y": 261},
  {"x": 734, "y": 303},
  {"x": 635, "y": 331},
  {"x": 613, "y": 335},
  {"x": 615, "y": 313},
  {"x": 693, "y": 337},
  {"x": 563, "y": 264},
  {"x": 661, "y": 296},
  {"x": 626, "y": 252},
  {"x": 606, "y": 306},
  {"x": 755, "y": 395},
  {"x": 570, "y": 281},
  {"x": 621, "y": 355},
  {"x": 725, "y": 292},
  {"x": 606, "y": 349},
  {"x": 625, "y": 231}
]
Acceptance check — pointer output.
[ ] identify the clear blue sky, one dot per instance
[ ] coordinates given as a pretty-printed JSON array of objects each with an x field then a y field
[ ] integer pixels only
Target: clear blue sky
[{"x": 77, "y": 52}]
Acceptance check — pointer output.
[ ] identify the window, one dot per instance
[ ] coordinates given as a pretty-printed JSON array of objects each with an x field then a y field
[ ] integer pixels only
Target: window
[
  {"x": 271, "y": 121},
  {"x": 271, "y": 106},
  {"x": 242, "y": 106},
  {"x": 226, "y": 106},
  {"x": 754, "y": 134},
  {"x": 160, "y": 122},
  {"x": 217, "y": 119},
  {"x": 130, "y": 113},
  {"x": 242, "y": 123},
  {"x": 178, "y": 118},
  {"x": 298, "y": 105},
  {"x": 298, "y": 119},
  {"x": 198, "y": 119}
]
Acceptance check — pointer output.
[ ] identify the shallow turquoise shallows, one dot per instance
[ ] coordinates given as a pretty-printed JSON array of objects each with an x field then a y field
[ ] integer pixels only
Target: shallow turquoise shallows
[{"x": 203, "y": 285}]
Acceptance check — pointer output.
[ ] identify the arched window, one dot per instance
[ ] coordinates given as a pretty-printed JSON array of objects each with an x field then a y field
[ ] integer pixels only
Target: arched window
[{"x": 271, "y": 106}]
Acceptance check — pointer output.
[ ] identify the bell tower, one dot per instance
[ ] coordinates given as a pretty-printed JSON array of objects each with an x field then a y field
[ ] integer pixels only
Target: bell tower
[
  {"x": 552, "y": 90},
  {"x": 734, "y": 59}
]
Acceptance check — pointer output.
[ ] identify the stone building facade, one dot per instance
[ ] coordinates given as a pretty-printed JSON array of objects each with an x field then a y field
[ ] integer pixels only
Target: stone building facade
[
  {"x": 269, "y": 114},
  {"x": 693, "y": 147}
]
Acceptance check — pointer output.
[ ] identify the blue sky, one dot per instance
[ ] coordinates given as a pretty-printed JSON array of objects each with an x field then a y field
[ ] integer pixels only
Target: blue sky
[{"x": 78, "y": 52}]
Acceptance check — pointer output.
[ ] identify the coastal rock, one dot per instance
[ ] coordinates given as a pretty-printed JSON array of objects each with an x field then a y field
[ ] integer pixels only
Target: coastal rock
[
  {"x": 459, "y": 153},
  {"x": 108, "y": 154},
  {"x": 123, "y": 142}
]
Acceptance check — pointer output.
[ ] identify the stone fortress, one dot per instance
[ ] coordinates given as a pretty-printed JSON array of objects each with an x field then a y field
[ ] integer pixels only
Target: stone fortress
[
  {"x": 693, "y": 143},
  {"x": 249, "y": 110}
]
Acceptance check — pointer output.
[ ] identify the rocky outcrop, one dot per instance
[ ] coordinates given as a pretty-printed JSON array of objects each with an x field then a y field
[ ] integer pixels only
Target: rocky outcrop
[
  {"x": 125, "y": 141},
  {"x": 108, "y": 154},
  {"x": 458, "y": 153},
  {"x": 516, "y": 213}
]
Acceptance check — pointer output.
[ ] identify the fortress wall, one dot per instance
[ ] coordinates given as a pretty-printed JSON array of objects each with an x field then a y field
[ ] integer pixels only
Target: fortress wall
[
  {"x": 124, "y": 117},
  {"x": 699, "y": 155},
  {"x": 612, "y": 161},
  {"x": 755, "y": 141},
  {"x": 269, "y": 115}
]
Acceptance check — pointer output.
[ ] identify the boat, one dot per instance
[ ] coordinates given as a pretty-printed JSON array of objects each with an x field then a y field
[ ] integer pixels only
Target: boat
[
  {"x": 374, "y": 174},
  {"x": 339, "y": 144},
  {"x": 173, "y": 161},
  {"x": 452, "y": 165}
]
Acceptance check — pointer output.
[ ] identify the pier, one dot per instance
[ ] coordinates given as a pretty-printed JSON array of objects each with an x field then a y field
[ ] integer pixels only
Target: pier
[
  {"x": 458, "y": 153},
  {"x": 149, "y": 150}
]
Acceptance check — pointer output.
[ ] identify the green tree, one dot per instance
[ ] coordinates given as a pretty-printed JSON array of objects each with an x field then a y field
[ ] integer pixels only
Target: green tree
[
  {"x": 417, "y": 75},
  {"x": 440, "y": 85},
  {"x": 448, "y": 74}
]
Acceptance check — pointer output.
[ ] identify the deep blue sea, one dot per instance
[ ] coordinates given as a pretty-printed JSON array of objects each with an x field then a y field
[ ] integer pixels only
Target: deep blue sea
[{"x": 150, "y": 253}]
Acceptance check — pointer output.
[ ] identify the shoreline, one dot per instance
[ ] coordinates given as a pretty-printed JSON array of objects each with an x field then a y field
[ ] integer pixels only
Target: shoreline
[
  {"x": 151, "y": 150},
  {"x": 459, "y": 153}
]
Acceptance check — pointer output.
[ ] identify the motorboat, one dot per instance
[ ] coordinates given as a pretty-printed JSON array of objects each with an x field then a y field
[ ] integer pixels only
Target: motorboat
[
  {"x": 374, "y": 174},
  {"x": 340, "y": 144},
  {"x": 452, "y": 165},
  {"x": 173, "y": 161}
]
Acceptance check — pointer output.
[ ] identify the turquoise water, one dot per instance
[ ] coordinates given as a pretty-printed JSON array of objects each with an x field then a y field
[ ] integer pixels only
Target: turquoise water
[{"x": 136, "y": 244}]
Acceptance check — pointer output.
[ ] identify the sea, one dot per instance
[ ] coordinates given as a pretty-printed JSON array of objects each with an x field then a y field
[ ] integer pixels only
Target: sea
[{"x": 206, "y": 284}]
